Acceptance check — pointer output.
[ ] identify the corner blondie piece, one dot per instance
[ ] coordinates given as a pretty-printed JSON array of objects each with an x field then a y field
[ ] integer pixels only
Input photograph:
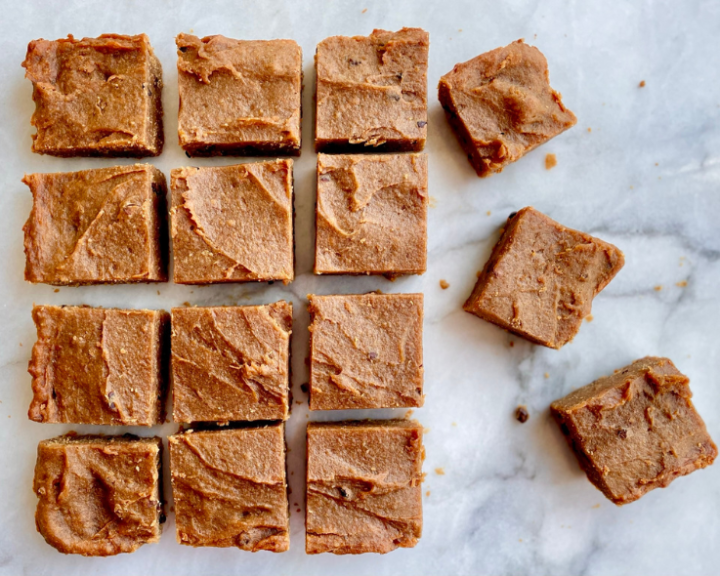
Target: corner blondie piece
[
  {"x": 96, "y": 96},
  {"x": 541, "y": 278},
  {"x": 99, "y": 495},
  {"x": 636, "y": 430},
  {"x": 363, "y": 486},
  {"x": 230, "y": 489},
  {"x": 98, "y": 366},
  {"x": 239, "y": 97},
  {"x": 501, "y": 106},
  {"x": 233, "y": 223},
  {"x": 103, "y": 226},
  {"x": 371, "y": 214},
  {"x": 372, "y": 92},
  {"x": 366, "y": 351},
  {"x": 231, "y": 363}
]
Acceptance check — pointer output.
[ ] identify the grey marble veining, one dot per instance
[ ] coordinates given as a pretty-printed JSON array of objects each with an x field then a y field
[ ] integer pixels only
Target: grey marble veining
[{"x": 641, "y": 170}]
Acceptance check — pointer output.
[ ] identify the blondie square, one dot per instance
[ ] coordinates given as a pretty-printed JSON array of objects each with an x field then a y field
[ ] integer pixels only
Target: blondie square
[
  {"x": 239, "y": 97},
  {"x": 96, "y": 96}
]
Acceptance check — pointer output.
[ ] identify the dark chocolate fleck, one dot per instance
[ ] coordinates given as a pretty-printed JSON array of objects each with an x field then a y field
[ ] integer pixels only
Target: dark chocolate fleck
[
  {"x": 421, "y": 124},
  {"x": 353, "y": 62},
  {"x": 622, "y": 433},
  {"x": 372, "y": 355},
  {"x": 521, "y": 414},
  {"x": 304, "y": 387},
  {"x": 343, "y": 492},
  {"x": 512, "y": 215},
  {"x": 183, "y": 48}
]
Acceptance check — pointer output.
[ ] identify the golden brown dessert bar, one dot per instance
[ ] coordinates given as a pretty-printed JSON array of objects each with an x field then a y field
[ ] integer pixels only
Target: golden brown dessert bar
[
  {"x": 231, "y": 363},
  {"x": 98, "y": 366},
  {"x": 635, "y": 430},
  {"x": 366, "y": 351},
  {"x": 96, "y": 96},
  {"x": 239, "y": 97},
  {"x": 103, "y": 226},
  {"x": 372, "y": 92},
  {"x": 371, "y": 214},
  {"x": 99, "y": 495},
  {"x": 363, "y": 486},
  {"x": 230, "y": 489},
  {"x": 501, "y": 106},
  {"x": 541, "y": 278},
  {"x": 233, "y": 223}
]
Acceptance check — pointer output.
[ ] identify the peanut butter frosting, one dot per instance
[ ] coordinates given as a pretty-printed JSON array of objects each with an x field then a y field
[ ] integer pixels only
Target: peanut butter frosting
[
  {"x": 96, "y": 226},
  {"x": 96, "y": 96},
  {"x": 239, "y": 96},
  {"x": 99, "y": 495},
  {"x": 233, "y": 223},
  {"x": 372, "y": 91},
  {"x": 635, "y": 430}
]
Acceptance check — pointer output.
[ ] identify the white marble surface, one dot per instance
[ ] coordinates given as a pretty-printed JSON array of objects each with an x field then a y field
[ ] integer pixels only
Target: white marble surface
[{"x": 512, "y": 499}]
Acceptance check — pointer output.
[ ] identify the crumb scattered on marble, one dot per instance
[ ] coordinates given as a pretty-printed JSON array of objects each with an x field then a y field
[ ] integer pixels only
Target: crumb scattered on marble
[
  {"x": 444, "y": 284},
  {"x": 21, "y": 344},
  {"x": 427, "y": 493},
  {"x": 596, "y": 506},
  {"x": 426, "y": 430},
  {"x": 512, "y": 343},
  {"x": 681, "y": 284},
  {"x": 364, "y": 10},
  {"x": 519, "y": 539},
  {"x": 454, "y": 424},
  {"x": 187, "y": 304},
  {"x": 658, "y": 288},
  {"x": 432, "y": 202},
  {"x": 488, "y": 213},
  {"x": 521, "y": 414},
  {"x": 589, "y": 318},
  {"x": 642, "y": 84},
  {"x": 298, "y": 402},
  {"x": 550, "y": 161},
  {"x": 589, "y": 129},
  {"x": 158, "y": 292},
  {"x": 656, "y": 164},
  {"x": 440, "y": 471},
  {"x": 408, "y": 414},
  {"x": 547, "y": 375},
  {"x": 459, "y": 29},
  {"x": 56, "y": 290}
]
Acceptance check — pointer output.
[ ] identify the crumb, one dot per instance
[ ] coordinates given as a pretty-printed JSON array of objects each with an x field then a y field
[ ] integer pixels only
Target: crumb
[
  {"x": 657, "y": 288},
  {"x": 426, "y": 430},
  {"x": 479, "y": 273},
  {"x": 521, "y": 414},
  {"x": 192, "y": 291},
  {"x": 440, "y": 471},
  {"x": 56, "y": 290},
  {"x": 550, "y": 161},
  {"x": 158, "y": 292},
  {"x": 298, "y": 402},
  {"x": 364, "y": 10},
  {"x": 596, "y": 506},
  {"x": 642, "y": 84},
  {"x": 546, "y": 375},
  {"x": 408, "y": 414},
  {"x": 432, "y": 202},
  {"x": 488, "y": 212},
  {"x": 681, "y": 284},
  {"x": 589, "y": 129},
  {"x": 534, "y": 36},
  {"x": 631, "y": 187},
  {"x": 444, "y": 284},
  {"x": 20, "y": 343},
  {"x": 187, "y": 304},
  {"x": 656, "y": 164},
  {"x": 427, "y": 493},
  {"x": 519, "y": 539},
  {"x": 304, "y": 387},
  {"x": 512, "y": 343},
  {"x": 454, "y": 424},
  {"x": 589, "y": 318},
  {"x": 307, "y": 415},
  {"x": 459, "y": 29}
]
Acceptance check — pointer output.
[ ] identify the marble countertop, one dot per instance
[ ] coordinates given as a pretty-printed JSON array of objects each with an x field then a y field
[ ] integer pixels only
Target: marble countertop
[{"x": 641, "y": 170}]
